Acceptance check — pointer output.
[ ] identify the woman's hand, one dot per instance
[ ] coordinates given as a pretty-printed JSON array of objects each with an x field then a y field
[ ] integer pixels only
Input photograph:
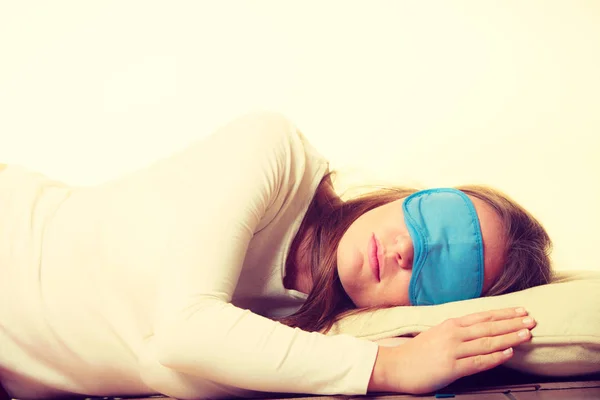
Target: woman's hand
[
  {"x": 451, "y": 350},
  {"x": 392, "y": 342}
]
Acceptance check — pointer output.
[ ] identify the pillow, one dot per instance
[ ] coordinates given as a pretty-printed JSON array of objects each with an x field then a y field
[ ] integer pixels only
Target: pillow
[{"x": 565, "y": 341}]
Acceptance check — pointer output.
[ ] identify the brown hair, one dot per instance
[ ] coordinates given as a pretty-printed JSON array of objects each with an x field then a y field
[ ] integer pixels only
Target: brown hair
[{"x": 527, "y": 249}]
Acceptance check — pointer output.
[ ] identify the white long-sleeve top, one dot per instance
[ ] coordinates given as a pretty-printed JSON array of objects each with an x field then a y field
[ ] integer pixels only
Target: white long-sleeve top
[{"x": 162, "y": 281}]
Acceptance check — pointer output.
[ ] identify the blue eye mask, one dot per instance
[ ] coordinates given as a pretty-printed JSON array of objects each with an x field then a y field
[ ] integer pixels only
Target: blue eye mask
[{"x": 448, "y": 248}]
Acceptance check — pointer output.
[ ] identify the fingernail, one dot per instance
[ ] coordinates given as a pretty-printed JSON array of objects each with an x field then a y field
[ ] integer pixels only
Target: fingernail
[
  {"x": 520, "y": 310},
  {"x": 508, "y": 351},
  {"x": 523, "y": 333},
  {"x": 527, "y": 320}
]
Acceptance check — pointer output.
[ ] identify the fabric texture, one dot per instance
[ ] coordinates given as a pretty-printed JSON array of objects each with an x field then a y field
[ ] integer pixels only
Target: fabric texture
[
  {"x": 565, "y": 342},
  {"x": 448, "y": 260},
  {"x": 161, "y": 281}
]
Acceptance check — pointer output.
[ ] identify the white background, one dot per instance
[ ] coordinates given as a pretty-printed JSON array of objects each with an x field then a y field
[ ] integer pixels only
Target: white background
[{"x": 427, "y": 93}]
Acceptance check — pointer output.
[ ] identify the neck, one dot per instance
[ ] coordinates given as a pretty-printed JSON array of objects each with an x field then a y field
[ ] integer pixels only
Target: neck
[{"x": 299, "y": 274}]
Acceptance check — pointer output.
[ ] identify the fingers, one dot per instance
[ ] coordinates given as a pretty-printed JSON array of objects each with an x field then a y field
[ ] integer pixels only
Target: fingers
[
  {"x": 492, "y": 344},
  {"x": 494, "y": 315},
  {"x": 495, "y": 328},
  {"x": 483, "y": 362},
  {"x": 490, "y": 338}
]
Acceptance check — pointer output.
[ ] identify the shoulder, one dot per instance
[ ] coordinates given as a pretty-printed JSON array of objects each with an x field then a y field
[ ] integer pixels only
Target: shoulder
[
  {"x": 266, "y": 141},
  {"x": 274, "y": 130},
  {"x": 265, "y": 135},
  {"x": 260, "y": 128}
]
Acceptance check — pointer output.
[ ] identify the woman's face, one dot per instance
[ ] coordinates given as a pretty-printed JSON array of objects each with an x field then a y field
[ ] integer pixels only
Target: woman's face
[{"x": 383, "y": 230}]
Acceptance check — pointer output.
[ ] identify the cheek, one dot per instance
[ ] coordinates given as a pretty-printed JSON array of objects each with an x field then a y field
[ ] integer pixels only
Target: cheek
[
  {"x": 349, "y": 261},
  {"x": 397, "y": 293},
  {"x": 394, "y": 290}
]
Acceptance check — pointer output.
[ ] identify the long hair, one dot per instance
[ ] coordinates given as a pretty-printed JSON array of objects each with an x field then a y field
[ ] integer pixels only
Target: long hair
[{"x": 527, "y": 249}]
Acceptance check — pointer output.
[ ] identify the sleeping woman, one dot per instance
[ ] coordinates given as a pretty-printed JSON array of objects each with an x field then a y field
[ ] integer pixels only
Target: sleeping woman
[{"x": 216, "y": 272}]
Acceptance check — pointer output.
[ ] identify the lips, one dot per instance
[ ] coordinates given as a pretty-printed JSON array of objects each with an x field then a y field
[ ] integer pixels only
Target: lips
[{"x": 373, "y": 258}]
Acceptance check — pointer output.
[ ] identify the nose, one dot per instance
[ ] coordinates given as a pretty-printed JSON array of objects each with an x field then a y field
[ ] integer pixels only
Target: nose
[{"x": 405, "y": 251}]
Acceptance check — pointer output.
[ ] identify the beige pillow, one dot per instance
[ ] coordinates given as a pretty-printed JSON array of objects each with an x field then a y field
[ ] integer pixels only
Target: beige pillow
[{"x": 565, "y": 342}]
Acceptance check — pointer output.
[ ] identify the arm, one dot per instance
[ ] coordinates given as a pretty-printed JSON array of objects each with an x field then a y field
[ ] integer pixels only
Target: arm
[{"x": 197, "y": 330}]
